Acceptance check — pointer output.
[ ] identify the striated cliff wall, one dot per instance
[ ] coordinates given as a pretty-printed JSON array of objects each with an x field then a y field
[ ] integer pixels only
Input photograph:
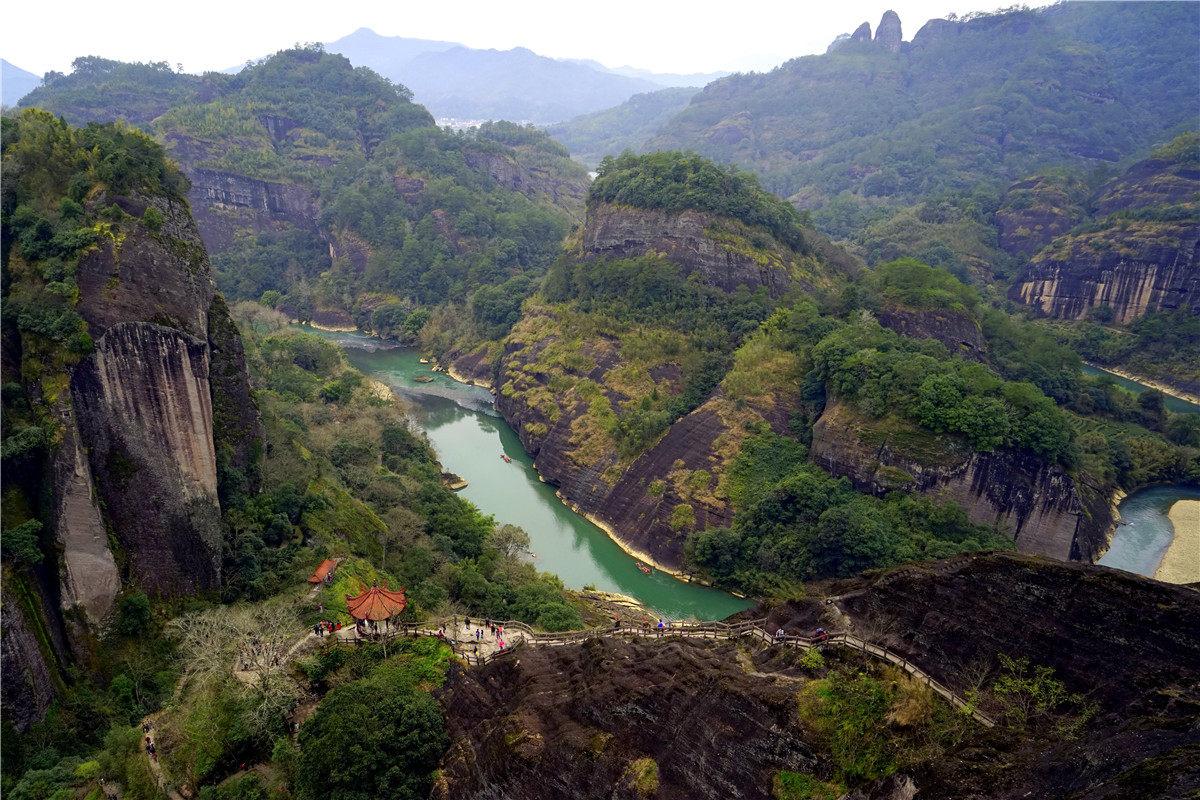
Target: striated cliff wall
[
  {"x": 89, "y": 579},
  {"x": 142, "y": 403},
  {"x": 680, "y": 236},
  {"x": 225, "y": 202},
  {"x": 1143, "y": 267},
  {"x": 1146, "y": 262},
  {"x": 1046, "y": 511},
  {"x": 28, "y": 648}
]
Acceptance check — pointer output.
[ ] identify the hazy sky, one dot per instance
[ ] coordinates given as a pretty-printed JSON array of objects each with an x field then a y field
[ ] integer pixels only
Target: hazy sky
[{"x": 664, "y": 36}]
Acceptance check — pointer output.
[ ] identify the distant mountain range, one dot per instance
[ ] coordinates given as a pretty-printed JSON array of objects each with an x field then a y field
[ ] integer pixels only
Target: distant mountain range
[
  {"x": 991, "y": 99},
  {"x": 459, "y": 82},
  {"x": 15, "y": 83}
]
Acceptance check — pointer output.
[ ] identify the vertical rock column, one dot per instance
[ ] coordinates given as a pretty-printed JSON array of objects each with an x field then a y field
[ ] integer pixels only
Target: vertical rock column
[{"x": 143, "y": 403}]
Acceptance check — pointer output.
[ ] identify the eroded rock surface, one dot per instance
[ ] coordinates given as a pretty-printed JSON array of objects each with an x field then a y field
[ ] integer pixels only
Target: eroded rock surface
[
  {"x": 680, "y": 236},
  {"x": 718, "y": 721},
  {"x": 957, "y": 331},
  {"x": 571, "y": 722},
  {"x": 1046, "y": 511}
]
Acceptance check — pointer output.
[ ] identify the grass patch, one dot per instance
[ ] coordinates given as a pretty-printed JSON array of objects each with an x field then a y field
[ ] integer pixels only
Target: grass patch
[{"x": 643, "y": 776}]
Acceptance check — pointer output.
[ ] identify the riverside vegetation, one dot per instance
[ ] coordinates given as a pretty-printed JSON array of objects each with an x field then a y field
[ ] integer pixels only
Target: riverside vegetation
[{"x": 430, "y": 246}]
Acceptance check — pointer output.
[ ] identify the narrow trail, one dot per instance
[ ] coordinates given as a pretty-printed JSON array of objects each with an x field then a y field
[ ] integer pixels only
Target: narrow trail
[{"x": 477, "y": 644}]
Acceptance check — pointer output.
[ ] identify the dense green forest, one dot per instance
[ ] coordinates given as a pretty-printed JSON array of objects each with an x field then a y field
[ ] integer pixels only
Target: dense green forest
[
  {"x": 592, "y": 136},
  {"x": 1008, "y": 94},
  {"x": 419, "y": 206}
]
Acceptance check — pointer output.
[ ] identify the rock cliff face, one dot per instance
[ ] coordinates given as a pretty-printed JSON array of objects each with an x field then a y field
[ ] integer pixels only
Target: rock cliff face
[
  {"x": 224, "y": 203},
  {"x": 1125, "y": 642},
  {"x": 143, "y": 404},
  {"x": 680, "y": 236},
  {"x": 889, "y": 35},
  {"x": 1033, "y": 213},
  {"x": 26, "y": 652},
  {"x": 1147, "y": 266},
  {"x": 1133, "y": 265},
  {"x": 569, "y": 723},
  {"x": 531, "y": 181},
  {"x": 1045, "y": 510},
  {"x": 142, "y": 409},
  {"x": 147, "y": 420},
  {"x": 958, "y": 332},
  {"x": 635, "y": 500}
]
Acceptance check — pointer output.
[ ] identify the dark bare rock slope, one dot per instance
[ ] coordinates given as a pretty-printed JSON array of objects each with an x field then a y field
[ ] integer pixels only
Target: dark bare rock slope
[
  {"x": 721, "y": 723},
  {"x": 1129, "y": 644}
]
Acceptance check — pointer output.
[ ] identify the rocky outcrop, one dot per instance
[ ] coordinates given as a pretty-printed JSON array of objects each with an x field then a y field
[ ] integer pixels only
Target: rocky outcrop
[
  {"x": 1047, "y": 512},
  {"x": 143, "y": 405},
  {"x": 615, "y": 232},
  {"x": 531, "y": 181},
  {"x": 719, "y": 720},
  {"x": 862, "y": 33},
  {"x": 163, "y": 393},
  {"x": 1127, "y": 643},
  {"x": 936, "y": 30},
  {"x": 889, "y": 35},
  {"x": 569, "y": 722},
  {"x": 1144, "y": 262},
  {"x": 1032, "y": 213},
  {"x": 29, "y": 683},
  {"x": 956, "y": 330},
  {"x": 89, "y": 579},
  {"x": 1153, "y": 182},
  {"x": 648, "y": 504},
  {"x": 226, "y": 203},
  {"x": 1133, "y": 268}
]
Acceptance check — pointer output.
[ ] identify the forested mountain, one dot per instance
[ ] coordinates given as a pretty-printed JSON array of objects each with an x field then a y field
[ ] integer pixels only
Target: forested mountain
[
  {"x": 327, "y": 186},
  {"x": 965, "y": 104},
  {"x": 628, "y": 126}
]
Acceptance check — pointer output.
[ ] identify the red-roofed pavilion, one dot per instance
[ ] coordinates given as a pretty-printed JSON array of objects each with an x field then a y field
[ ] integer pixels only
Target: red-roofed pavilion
[
  {"x": 324, "y": 573},
  {"x": 376, "y": 604}
]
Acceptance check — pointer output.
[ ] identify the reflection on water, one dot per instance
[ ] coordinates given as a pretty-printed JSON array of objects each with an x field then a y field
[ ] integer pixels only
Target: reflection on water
[
  {"x": 470, "y": 438},
  {"x": 1172, "y": 404}
]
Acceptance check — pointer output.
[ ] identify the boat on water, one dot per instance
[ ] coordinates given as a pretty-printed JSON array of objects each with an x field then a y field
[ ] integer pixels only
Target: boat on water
[
  {"x": 643, "y": 568},
  {"x": 507, "y": 460}
]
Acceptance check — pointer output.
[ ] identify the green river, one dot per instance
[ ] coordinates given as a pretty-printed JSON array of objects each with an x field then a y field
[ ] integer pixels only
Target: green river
[
  {"x": 470, "y": 436},
  {"x": 1173, "y": 404}
]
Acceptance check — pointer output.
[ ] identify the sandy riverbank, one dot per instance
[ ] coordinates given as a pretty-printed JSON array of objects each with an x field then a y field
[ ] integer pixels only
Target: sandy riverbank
[{"x": 1181, "y": 562}]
